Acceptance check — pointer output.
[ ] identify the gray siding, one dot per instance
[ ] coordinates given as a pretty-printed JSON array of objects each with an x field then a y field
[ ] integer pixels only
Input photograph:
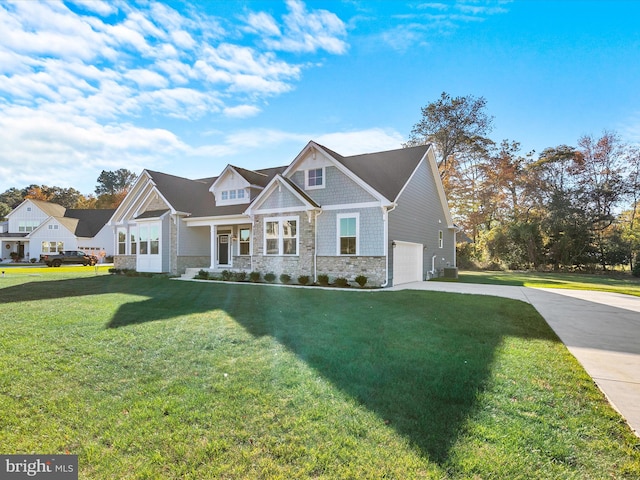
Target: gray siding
[
  {"x": 371, "y": 231},
  {"x": 418, "y": 218},
  {"x": 280, "y": 198},
  {"x": 339, "y": 189}
]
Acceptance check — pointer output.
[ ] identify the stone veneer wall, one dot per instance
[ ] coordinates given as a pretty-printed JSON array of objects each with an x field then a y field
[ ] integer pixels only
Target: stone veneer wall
[
  {"x": 301, "y": 264},
  {"x": 242, "y": 263},
  {"x": 194, "y": 261},
  {"x": 124, "y": 261},
  {"x": 374, "y": 268}
]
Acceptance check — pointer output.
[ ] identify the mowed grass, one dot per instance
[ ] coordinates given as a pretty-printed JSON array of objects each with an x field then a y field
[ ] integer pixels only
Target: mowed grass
[
  {"x": 154, "y": 378},
  {"x": 615, "y": 283}
]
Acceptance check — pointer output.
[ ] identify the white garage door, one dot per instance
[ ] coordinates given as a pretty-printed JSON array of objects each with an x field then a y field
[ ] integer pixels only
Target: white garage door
[{"x": 407, "y": 262}]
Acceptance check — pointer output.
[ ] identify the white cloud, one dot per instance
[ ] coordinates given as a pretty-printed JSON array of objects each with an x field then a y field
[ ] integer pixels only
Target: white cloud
[
  {"x": 242, "y": 111},
  {"x": 80, "y": 81},
  {"x": 262, "y": 22},
  {"x": 303, "y": 31}
]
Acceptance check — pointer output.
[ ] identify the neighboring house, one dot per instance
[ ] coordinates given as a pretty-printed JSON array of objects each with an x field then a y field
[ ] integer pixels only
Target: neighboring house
[
  {"x": 383, "y": 215},
  {"x": 35, "y": 227}
]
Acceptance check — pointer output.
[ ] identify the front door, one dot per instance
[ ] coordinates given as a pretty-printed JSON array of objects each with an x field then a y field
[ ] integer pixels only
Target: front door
[{"x": 223, "y": 249}]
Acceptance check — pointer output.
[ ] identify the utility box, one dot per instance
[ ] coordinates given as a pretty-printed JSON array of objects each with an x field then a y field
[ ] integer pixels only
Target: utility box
[{"x": 450, "y": 272}]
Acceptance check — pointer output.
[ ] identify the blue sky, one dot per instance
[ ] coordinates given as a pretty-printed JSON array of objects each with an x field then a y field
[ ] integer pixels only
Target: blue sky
[{"x": 189, "y": 87}]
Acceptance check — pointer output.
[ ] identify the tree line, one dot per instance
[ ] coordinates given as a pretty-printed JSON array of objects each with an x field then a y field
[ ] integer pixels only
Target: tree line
[
  {"x": 566, "y": 208},
  {"x": 111, "y": 188}
]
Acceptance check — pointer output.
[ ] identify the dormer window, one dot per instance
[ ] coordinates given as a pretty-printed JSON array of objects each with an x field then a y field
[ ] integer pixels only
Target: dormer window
[
  {"x": 234, "y": 196},
  {"x": 314, "y": 178}
]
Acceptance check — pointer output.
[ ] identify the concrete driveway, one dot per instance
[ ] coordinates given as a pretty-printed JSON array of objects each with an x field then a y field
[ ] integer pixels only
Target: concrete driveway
[{"x": 602, "y": 330}]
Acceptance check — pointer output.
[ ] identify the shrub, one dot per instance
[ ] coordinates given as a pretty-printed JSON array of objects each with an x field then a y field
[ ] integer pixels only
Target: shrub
[
  {"x": 226, "y": 275},
  {"x": 285, "y": 278},
  {"x": 636, "y": 266},
  {"x": 254, "y": 277},
  {"x": 240, "y": 276},
  {"x": 303, "y": 279},
  {"x": 270, "y": 277},
  {"x": 341, "y": 282},
  {"x": 323, "y": 279},
  {"x": 33, "y": 260},
  {"x": 201, "y": 275},
  {"x": 361, "y": 280}
]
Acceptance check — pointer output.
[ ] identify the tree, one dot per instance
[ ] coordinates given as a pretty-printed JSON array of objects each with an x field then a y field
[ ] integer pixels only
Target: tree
[
  {"x": 115, "y": 182},
  {"x": 601, "y": 184},
  {"x": 457, "y": 127}
]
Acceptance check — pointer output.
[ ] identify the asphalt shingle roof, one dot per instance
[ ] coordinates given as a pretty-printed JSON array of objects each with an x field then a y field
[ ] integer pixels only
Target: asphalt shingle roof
[
  {"x": 387, "y": 172},
  {"x": 90, "y": 222}
]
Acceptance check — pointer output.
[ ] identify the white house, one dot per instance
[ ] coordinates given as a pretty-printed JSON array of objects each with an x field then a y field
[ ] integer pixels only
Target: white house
[{"x": 36, "y": 227}]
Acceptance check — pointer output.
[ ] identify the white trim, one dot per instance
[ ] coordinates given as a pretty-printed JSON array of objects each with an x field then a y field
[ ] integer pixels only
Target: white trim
[
  {"x": 281, "y": 237},
  {"x": 339, "y": 217},
  {"x": 346, "y": 206},
  {"x": 277, "y": 181},
  {"x": 271, "y": 211},
  {"x": 219, "y": 220}
]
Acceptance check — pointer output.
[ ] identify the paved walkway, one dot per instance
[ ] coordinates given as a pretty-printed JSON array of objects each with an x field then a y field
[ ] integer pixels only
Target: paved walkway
[{"x": 602, "y": 330}]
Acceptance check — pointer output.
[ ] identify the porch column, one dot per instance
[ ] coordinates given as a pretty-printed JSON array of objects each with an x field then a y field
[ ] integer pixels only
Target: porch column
[{"x": 214, "y": 235}]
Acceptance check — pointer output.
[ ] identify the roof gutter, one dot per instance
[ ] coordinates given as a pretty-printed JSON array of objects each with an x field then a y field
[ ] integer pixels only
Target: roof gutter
[{"x": 385, "y": 219}]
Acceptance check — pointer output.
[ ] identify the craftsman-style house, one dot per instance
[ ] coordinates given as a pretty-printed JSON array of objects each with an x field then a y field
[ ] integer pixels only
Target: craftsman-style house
[{"x": 383, "y": 215}]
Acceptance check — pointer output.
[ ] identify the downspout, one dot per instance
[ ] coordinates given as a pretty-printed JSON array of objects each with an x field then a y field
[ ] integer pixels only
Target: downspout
[
  {"x": 251, "y": 245},
  {"x": 315, "y": 246},
  {"x": 385, "y": 218},
  {"x": 433, "y": 266}
]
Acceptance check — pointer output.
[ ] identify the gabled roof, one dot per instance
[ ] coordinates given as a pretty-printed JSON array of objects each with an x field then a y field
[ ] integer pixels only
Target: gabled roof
[
  {"x": 387, "y": 172},
  {"x": 194, "y": 197}
]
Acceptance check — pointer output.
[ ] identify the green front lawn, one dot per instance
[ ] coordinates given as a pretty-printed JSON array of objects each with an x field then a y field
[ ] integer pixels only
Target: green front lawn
[
  {"x": 576, "y": 281},
  {"x": 154, "y": 378}
]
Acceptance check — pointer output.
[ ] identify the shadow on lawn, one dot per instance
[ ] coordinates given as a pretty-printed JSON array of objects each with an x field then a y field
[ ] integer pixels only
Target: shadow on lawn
[{"x": 419, "y": 360}]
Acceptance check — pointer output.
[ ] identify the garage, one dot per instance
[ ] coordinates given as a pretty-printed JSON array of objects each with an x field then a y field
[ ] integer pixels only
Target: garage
[{"x": 407, "y": 262}]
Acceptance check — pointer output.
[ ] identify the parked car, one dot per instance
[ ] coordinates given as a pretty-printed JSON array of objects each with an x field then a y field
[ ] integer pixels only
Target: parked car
[{"x": 69, "y": 256}]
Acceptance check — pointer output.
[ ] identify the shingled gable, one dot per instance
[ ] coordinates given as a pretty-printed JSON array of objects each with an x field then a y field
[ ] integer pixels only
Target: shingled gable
[{"x": 292, "y": 187}]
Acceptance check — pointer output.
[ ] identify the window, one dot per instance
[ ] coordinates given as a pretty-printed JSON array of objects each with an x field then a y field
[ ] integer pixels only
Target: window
[
  {"x": 28, "y": 225},
  {"x": 154, "y": 240},
  {"x": 232, "y": 194},
  {"x": 440, "y": 239},
  {"x": 281, "y": 236},
  {"x": 241, "y": 193},
  {"x": 149, "y": 239},
  {"x": 53, "y": 227},
  {"x": 132, "y": 241},
  {"x": 143, "y": 239},
  {"x": 122, "y": 241},
  {"x": 245, "y": 241},
  {"x": 348, "y": 234},
  {"x": 52, "y": 247},
  {"x": 314, "y": 178},
  {"x": 224, "y": 195},
  {"x": 271, "y": 233}
]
